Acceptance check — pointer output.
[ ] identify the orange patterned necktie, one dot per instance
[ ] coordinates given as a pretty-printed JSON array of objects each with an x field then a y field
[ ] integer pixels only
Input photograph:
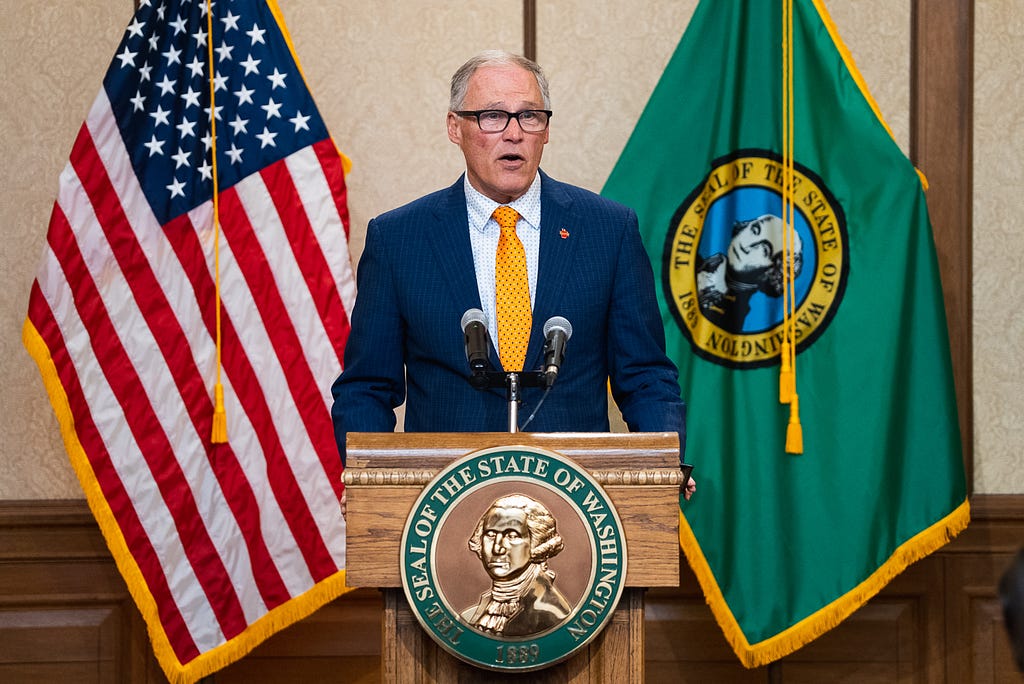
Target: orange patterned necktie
[{"x": 512, "y": 291}]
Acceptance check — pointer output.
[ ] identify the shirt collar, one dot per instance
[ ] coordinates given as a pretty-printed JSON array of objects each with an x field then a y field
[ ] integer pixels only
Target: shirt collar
[{"x": 480, "y": 207}]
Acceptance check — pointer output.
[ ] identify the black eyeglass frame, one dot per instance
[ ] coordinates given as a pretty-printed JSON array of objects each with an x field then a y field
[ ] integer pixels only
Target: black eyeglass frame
[{"x": 510, "y": 115}]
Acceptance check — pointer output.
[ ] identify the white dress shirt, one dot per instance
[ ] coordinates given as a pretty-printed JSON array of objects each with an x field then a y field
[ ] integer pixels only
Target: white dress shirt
[{"x": 483, "y": 236}]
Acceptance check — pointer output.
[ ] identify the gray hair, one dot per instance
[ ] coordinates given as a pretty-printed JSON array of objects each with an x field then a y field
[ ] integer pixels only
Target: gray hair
[{"x": 460, "y": 80}]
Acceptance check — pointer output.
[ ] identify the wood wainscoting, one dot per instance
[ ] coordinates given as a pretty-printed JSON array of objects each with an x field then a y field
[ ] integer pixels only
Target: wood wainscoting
[{"x": 65, "y": 616}]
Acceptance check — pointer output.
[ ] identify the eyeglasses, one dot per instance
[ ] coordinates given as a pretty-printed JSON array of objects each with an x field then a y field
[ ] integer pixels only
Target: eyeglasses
[{"x": 496, "y": 120}]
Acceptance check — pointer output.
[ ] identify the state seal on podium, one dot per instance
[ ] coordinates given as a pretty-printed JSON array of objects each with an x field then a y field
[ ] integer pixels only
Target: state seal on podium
[{"x": 513, "y": 558}]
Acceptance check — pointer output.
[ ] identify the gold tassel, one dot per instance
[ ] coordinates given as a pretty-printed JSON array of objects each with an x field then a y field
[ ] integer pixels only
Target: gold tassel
[
  {"x": 794, "y": 433},
  {"x": 219, "y": 434},
  {"x": 787, "y": 379}
]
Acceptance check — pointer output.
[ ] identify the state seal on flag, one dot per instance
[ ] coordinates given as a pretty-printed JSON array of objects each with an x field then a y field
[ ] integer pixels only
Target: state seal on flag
[
  {"x": 727, "y": 251},
  {"x": 513, "y": 558}
]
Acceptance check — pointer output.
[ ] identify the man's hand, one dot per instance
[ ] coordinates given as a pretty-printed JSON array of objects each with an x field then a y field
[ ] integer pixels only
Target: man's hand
[{"x": 691, "y": 487}]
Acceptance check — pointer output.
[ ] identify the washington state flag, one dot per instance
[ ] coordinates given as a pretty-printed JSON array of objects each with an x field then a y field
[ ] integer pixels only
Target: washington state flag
[{"x": 801, "y": 299}]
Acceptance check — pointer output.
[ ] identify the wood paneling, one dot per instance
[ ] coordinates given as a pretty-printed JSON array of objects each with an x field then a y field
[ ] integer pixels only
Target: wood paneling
[
  {"x": 941, "y": 134},
  {"x": 615, "y": 655},
  {"x": 387, "y": 471},
  {"x": 65, "y": 615}
]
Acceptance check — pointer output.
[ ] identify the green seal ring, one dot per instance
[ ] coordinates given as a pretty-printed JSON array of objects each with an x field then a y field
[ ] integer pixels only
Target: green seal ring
[{"x": 563, "y": 482}]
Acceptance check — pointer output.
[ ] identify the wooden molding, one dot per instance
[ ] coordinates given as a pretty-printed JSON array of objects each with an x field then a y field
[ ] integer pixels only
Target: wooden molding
[{"x": 941, "y": 145}]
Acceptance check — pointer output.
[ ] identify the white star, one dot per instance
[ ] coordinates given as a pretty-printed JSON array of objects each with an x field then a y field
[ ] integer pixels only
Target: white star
[
  {"x": 155, "y": 146},
  {"x": 244, "y": 95},
  {"x": 144, "y": 72},
  {"x": 191, "y": 97},
  {"x": 178, "y": 25},
  {"x": 173, "y": 56},
  {"x": 266, "y": 138},
  {"x": 216, "y": 112},
  {"x": 224, "y": 52},
  {"x": 166, "y": 85},
  {"x": 154, "y": 41},
  {"x": 135, "y": 28},
  {"x": 186, "y": 128},
  {"x": 272, "y": 109},
  {"x": 220, "y": 82},
  {"x": 145, "y": 3},
  {"x": 300, "y": 122},
  {"x": 250, "y": 65},
  {"x": 139, "y": 101},
  {"x": 180, "y": 159},
  {"x": 276, "y": 79},
  {"x": 230, "y": 21},
  {"x": 127, "y": 57},
  {"x": 206, "y": 171},
  {"x": 161, "y": 10},
  {"x": 235, "y": 154},
  {"x": 239, "y": 125},
  {"x": 160, "y": 116},
  {"x": 196, "y": 66},
  {"x": 256, "y": 34},
  {"x": 177, "y": 188},
  {"x": 207, "y": 138},
  {"x": 200, "y": 37}
]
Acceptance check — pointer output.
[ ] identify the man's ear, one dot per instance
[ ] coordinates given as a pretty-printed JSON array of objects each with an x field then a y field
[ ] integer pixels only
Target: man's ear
[{"x": 454, "y": 130}]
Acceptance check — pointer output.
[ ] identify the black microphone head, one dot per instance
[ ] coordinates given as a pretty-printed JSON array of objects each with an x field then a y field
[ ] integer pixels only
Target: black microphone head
[
  {"x": 555, "y": 323},
  {"x": 473, "y": 316}
]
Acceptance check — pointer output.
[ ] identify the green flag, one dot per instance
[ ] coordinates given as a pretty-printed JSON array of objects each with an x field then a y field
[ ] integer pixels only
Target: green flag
[{"x": 786, "y": 545}]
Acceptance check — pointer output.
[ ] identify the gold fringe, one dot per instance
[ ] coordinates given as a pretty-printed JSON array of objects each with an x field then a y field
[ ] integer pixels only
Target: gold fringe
[
  {"x": 914, "y": 549},
  {"x": 284, "y": 615},
  {"x": 274, "y": 621}
]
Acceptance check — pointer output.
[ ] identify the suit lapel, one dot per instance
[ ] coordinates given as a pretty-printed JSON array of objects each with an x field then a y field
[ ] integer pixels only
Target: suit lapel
[
  {"x": 560, "y": 232},
  {"x": 449, "y": 239}
]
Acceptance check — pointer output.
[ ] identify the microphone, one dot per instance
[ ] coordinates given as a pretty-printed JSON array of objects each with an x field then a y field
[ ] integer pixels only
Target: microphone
[
  {"x": 474, "y": 328},
  {"x": 557, "y": 332}
]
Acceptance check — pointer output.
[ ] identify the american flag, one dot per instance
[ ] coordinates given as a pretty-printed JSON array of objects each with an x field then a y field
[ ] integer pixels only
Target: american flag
[{"x": 223, "y": 544}]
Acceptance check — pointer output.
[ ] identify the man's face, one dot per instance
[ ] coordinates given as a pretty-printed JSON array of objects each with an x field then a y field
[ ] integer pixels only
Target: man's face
[
  {"x": 505, "y": 543},
  {"x": 753, "y": 248},
  {"x": 499, "y": 165}
]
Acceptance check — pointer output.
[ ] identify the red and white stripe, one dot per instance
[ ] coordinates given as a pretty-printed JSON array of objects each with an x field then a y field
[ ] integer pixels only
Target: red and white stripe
[{"x": 220, "y": 534}]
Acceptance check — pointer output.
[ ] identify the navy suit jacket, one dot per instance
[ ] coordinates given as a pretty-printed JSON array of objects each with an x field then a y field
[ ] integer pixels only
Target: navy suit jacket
[{"x": 416, "y": 279}]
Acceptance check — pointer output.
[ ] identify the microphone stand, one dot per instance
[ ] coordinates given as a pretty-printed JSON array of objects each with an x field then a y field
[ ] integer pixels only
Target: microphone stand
[{"x": 513, "y": 382}]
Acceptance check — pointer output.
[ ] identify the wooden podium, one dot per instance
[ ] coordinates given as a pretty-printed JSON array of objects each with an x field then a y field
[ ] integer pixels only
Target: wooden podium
[{"x": 385, "y": 474}]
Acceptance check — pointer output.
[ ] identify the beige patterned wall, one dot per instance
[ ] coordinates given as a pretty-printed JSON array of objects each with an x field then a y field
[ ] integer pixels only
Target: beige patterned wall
[
  {"x": 998, "y": 245},
  {"x": 53, "y": 57},
  {"x": 379, "y": 71}
]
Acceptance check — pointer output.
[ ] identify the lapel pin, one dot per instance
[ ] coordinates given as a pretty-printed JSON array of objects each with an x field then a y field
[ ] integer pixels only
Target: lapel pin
[{"x": 564, "y": 233}]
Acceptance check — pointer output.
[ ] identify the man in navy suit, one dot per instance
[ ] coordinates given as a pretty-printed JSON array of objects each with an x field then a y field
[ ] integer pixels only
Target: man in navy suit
[{"x": 426, "y": 263}]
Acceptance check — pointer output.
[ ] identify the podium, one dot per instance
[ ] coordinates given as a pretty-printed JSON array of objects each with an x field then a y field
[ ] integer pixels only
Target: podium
[{"x": 385, "y": 475}]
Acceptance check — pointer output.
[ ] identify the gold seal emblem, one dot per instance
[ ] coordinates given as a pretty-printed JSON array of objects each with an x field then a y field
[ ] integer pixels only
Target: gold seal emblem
[
  {"x": 513, "y": 558},
  {"x": 723, "y": 260}
]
